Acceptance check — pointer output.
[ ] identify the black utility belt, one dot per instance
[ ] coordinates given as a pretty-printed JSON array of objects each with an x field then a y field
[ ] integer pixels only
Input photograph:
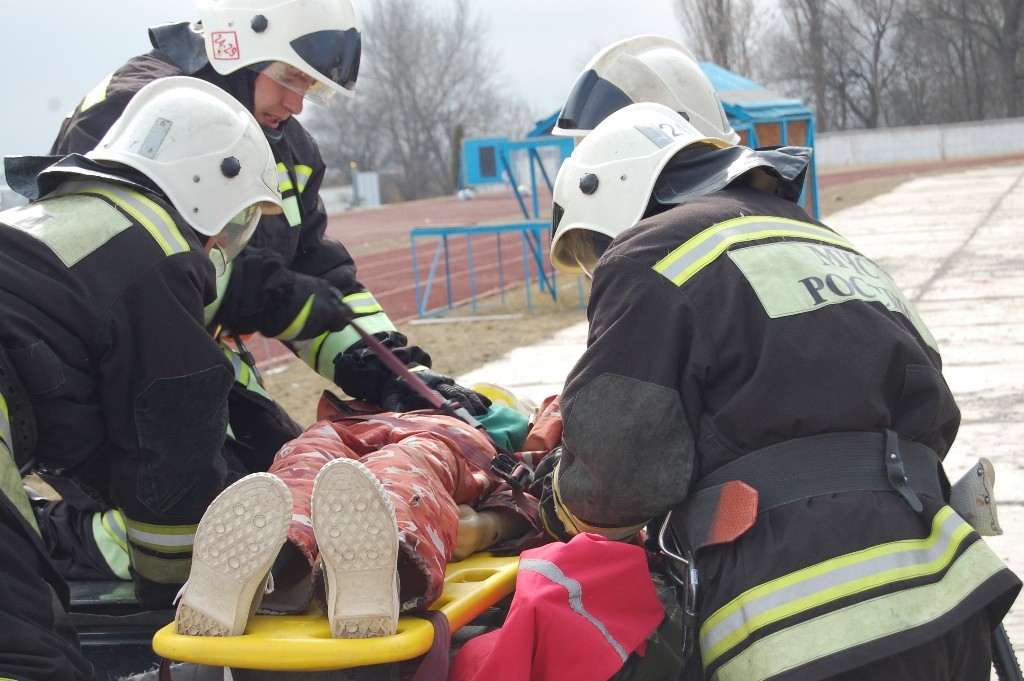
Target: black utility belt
[{"x": 808, "y": 467}]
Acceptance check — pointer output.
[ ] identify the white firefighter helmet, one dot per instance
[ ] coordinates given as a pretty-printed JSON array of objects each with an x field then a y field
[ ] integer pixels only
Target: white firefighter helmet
[
  {"x": 604, "y": 187},
  {"x": 644, "y": 68},
  {"x": 204, "y": 151},
  {"x": 320, "y": 39}
]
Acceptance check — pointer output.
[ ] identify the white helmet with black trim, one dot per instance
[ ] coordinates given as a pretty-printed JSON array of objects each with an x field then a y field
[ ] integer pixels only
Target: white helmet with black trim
[
  {"x": 644, "y": 68},
  {"x": 605, "y": 186},
  {"x": 319, "y": 39},
  {"x": 204, "y": 151}
]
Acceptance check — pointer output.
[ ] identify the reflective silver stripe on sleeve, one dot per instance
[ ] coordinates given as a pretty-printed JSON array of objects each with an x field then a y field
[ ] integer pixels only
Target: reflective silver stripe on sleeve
[
  {"x": 145, "y": 211},
  {"x": 863, "y": 622},
  {"x": 302, "y": 175},
  {"x": 549, "y": 570},
  {"x": 831, "y": 580},
  {"x": 162, "y": 538}
]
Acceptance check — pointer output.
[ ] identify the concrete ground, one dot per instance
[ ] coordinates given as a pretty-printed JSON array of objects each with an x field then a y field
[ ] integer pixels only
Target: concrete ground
[{"x": 955, "y": 245}]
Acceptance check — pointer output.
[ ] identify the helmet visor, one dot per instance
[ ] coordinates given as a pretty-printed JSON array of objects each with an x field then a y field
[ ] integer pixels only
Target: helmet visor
[
  {"x": 584, "y": 247},
  {"x": 296, "y": 80},
  {"x": 591, "y": 100},
  {"x": 227, "y": 243},
  {"x": 333, "y": 54}
]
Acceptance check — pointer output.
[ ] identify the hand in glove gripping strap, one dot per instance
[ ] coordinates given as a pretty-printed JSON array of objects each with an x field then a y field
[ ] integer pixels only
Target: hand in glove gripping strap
[
  {"x": 329, "y": 306},
  {"x": 323, "y": 311},
  {"x": 398, "y": 395}
]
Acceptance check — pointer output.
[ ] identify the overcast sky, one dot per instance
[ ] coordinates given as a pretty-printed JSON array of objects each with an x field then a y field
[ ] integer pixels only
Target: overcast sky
[{"x": 54, "y": 51}]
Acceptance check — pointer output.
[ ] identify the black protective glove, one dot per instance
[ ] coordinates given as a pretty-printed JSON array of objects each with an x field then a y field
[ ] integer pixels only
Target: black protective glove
[
  {"x": 398, "y": 395},
  {"x": 265, "y": 296},
  {"x": 328, "y": 311}
]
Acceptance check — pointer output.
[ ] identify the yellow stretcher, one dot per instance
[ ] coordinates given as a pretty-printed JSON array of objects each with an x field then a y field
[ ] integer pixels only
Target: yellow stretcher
[{"x": 303, "y": 642}]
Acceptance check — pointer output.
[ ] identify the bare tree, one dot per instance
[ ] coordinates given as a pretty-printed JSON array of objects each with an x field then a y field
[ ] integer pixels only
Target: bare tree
[
  {"x": 846, "y": 55},
  {"x": 426, "y": 78},
  {"x": 807, "y": 18},
  {"x": 727, "y": 32},
  {"x": 990, "y": 36}
]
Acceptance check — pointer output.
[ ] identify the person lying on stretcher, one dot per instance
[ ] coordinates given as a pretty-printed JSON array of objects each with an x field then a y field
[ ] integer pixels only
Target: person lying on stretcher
[{"x": 362, "y": 513}]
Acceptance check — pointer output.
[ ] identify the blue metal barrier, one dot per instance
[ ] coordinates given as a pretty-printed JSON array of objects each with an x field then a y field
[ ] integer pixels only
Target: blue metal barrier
[{"x": 454, "y": 253}]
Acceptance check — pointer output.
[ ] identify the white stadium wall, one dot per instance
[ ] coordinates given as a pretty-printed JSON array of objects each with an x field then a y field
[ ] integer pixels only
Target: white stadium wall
[{"x": 920, "y": 143}]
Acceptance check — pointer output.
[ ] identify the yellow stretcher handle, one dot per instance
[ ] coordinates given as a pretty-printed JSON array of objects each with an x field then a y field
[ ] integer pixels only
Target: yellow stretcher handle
[{"x": 303, "y": 642}]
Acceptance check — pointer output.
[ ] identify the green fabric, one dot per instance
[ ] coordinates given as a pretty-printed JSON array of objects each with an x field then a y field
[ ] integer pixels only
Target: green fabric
[{"x": 506, "y": 426}]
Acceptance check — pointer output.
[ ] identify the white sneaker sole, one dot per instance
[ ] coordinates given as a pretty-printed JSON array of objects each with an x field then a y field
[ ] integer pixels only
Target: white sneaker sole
[
  {"x": 236, "y": 543},
  {"x": 356, "y": 532}
]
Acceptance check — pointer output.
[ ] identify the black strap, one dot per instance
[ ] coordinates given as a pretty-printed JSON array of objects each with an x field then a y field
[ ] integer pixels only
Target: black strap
[
  {"x": 21, "y": 415},
  {"x": 811, "y": 466},
  {"x": 503, "y": 467}
]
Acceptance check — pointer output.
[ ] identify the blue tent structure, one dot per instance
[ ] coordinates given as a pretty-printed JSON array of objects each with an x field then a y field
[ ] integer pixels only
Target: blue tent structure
[{"x": 764, "y": 118}]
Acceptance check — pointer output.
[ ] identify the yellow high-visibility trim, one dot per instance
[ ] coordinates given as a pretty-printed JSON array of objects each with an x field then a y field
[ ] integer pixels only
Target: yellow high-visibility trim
[
  {"x": 171, "y": 570},
  {"x": 300, "y": 320},
  {"x": 97, "y": 94},
  {"x": 291, "y": 211},
  {"x": 573, "y": 525},
  {"x": 243, "y": 373},
  {"x": 687, "y": 260},
  {"x": 302, "y": 175},
  {"x": 284, "y": 180},
  {"x": 319, "y": 353},
  {"x": 146, "y": 212},
  {"x": 864, "y": 622},
  {"x": 109, "y": 534},
  {"x": 362, "y": 303},
  {"x": 5, "y": 423},
  {"x": 162, "y": 538},
  {"x": 210, "y": 311},
  {"x": 832, "y": 580}
]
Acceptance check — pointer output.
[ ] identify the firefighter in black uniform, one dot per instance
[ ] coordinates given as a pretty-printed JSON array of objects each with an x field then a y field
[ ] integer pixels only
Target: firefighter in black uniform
[
  {"x": 789, "y": 416},
  {"x": 105, "y": 277},
  {"x": 270, "y": 56},
  {"x": 40, "y": 641}
]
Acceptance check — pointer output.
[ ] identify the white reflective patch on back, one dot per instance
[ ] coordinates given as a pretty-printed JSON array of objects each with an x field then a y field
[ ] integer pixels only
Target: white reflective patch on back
[
  {"x": 795, "y": 277},
  {"x": 72, "y": 226}
]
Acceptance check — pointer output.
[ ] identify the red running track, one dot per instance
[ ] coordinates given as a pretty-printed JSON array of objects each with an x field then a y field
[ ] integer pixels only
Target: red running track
[
  {"x": 388, "y": 272},
  {"x": 498, "y": 260}
]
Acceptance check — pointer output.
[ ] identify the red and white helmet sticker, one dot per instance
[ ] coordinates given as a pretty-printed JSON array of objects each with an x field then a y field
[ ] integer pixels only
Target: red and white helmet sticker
[{"x": 225, "y": 45}]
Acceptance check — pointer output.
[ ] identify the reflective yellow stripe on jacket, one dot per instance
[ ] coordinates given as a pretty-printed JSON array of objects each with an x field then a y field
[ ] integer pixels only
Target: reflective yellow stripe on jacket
[
  {"x": 685, "y": 262},
  {"x": 5, "y": 425},
  {"x": 319, "y": 353},
  {"x": 803, "y": 268},
  {"x": 160, "y": 553},
  {"x": 157, "y": 221},
  {"x": 574, "y": 525},
  {"x": 97, "y": 94},
  {"x": 291, "y": 202},
  {"x": 845, "y": 577},
  {"x": 244, "y": 374}
]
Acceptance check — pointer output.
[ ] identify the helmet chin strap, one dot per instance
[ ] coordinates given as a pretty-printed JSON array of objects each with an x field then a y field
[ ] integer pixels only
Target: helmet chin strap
[{"x": 273, "y": 135}]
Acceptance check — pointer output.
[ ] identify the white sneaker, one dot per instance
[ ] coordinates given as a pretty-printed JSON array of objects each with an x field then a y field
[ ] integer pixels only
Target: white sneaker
[
  {"x": 356, "y": 532},
  {"x": 236, "y": 543}
]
